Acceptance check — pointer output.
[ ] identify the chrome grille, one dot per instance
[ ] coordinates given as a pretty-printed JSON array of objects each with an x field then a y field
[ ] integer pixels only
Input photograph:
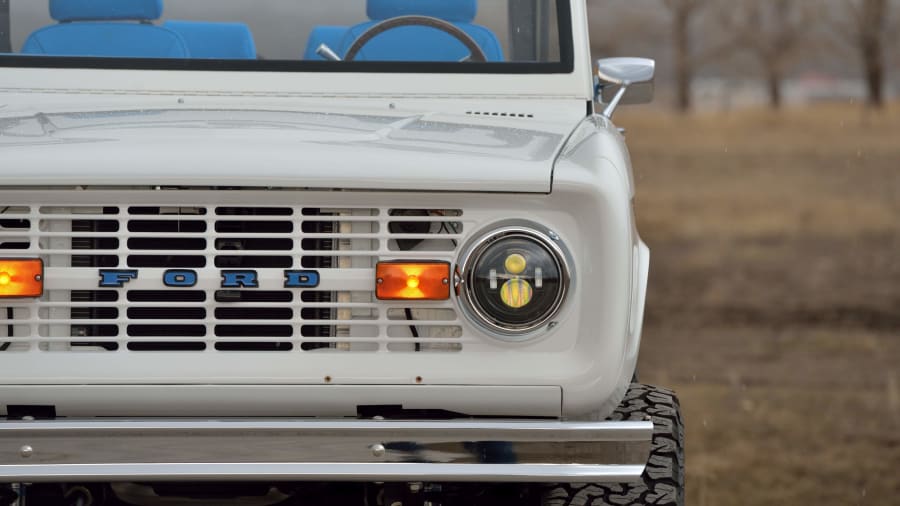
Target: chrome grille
[{"x": 342, "y": 315}]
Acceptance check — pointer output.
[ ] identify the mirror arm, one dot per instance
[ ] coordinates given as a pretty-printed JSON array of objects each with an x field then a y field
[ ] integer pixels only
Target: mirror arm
[{"x": 614, "y": 103}]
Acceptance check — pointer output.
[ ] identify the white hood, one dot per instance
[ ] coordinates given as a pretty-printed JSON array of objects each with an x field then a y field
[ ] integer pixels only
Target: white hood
[{"x": 254, "y": 148}]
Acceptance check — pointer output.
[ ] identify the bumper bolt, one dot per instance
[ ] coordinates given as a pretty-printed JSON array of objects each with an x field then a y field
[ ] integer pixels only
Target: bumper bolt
[
  {"x": 378, "y": 450},
  {"x": 26, "y": 451}
]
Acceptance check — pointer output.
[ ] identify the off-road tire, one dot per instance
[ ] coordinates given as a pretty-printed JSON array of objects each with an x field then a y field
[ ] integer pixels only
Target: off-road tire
[{"x": 663, "y": 479}]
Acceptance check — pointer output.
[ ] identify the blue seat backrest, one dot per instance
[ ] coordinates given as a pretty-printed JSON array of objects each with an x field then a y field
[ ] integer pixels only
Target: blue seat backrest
[
  {"x": 220, "y": 41},
  {"x": 412, "y": 43},
  {"x": 102, "y": 28}
]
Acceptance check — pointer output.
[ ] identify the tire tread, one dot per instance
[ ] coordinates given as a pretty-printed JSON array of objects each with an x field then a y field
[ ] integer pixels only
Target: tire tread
[{"x": 663, "y": 479}]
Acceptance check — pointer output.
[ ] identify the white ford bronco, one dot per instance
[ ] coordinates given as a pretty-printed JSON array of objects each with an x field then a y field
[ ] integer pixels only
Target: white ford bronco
[{"x": 373, "y": 252}]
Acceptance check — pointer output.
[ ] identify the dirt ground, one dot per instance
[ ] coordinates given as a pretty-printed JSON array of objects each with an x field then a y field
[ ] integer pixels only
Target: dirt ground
[{"x": 774, "y": 301}]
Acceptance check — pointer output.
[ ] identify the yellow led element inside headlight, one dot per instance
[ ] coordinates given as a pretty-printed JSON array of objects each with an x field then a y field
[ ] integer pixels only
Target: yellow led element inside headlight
[
  {"x": 516, "y": 293},
  {"x": 516, "y": 264},
  {"x": 5, "y": 278}
]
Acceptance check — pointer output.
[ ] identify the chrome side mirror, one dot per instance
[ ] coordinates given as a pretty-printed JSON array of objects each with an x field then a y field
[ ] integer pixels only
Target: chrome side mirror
[{"x": 618, "y": 77}]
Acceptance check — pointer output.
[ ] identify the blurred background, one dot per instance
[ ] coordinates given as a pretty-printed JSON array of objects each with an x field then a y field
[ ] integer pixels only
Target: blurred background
[{"x": 768, "y": 177}]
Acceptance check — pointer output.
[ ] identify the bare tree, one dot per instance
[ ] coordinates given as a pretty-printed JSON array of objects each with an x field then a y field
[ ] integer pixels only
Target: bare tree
[
  {"x": 867, "y": 29},
  {"x": 773, "y": 32},
  {"x": 683, "y": 13},
  {"x": 625, "y": 28},
  {"x": 690, "y": 57}
]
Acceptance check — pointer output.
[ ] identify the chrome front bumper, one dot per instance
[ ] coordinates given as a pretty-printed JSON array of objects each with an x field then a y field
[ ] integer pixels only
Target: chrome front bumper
[{"x": 322, "y": 450}]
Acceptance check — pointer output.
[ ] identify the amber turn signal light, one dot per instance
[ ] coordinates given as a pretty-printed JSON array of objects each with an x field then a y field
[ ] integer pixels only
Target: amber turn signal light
[
  {"x": 412, "y": 280},
  {"x": 21, "y": 278}
]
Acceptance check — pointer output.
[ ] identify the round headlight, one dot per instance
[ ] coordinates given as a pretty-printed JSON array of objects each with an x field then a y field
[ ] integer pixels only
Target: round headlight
[{"x": 514, "y": 281}]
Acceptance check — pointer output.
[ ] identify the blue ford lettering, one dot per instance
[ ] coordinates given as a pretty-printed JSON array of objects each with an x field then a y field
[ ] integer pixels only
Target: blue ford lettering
[
  {"x": 240, "y": 279},
  {"x": 177, "y": 278},
  {"x": 116, "y": 278},
  {"x": 301, "y": 279},
  {"x": 187, "y": 278}
]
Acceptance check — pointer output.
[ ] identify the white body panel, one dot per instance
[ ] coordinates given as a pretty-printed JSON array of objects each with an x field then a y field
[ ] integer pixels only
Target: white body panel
[
  {"x": 376, "y": 134},
  {"x": 238, "y": 401},
  {"x": 585, "y": 354},
  {"x": 348, "y": 147}
]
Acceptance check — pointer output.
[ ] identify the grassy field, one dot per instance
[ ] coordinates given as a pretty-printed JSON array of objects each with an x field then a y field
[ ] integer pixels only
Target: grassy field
[{"x": 774, "y": 305}]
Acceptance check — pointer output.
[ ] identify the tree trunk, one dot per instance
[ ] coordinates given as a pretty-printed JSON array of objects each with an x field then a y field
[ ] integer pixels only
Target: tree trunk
[
  {"x": 683, "y": 65},
  {"x": 774, "y": 85},
  {"x": 873, "y": 58},
  {"x": 871, "y": 46}
]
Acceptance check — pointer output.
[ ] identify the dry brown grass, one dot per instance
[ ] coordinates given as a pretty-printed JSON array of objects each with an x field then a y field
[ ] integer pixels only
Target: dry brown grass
[{"x": 774, "y": 304}]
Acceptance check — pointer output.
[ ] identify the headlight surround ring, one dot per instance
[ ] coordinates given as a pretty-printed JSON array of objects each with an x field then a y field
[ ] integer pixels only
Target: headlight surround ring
[{"x": 467, "y": 285}]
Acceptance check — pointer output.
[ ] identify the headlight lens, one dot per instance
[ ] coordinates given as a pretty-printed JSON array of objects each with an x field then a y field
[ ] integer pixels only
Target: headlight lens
[{"x": 515, "y": 281}]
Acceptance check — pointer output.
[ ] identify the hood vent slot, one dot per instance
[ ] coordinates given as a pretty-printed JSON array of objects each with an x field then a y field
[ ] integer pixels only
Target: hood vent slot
[{"x": 498, "y": 114}]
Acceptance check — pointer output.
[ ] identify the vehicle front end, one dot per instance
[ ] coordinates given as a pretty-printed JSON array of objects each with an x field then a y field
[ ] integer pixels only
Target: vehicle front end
[{"x": 289, "y": 273}]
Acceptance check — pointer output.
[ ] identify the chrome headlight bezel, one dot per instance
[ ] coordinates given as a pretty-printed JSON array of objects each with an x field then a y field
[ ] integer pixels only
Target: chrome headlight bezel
[{"x": 472, "y": 255}]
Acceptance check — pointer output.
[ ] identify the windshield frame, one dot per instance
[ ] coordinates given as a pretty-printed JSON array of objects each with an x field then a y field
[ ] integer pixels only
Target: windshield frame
[
  {"x": 565, "y": 65},
  {"x": 5, "y": 28}
]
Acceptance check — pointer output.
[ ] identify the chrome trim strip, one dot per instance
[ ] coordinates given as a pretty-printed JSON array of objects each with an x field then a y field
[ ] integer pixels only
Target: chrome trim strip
[
  {"x": 322, "y": 450},
  {"x": 513, "y": 473}
]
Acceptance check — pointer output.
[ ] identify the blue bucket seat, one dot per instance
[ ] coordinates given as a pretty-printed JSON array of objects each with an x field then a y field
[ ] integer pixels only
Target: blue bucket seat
[
  {"x": 219, "y": 41},
  {"x": 410, "y": 43},
  {"x": 114, "y": 28}
]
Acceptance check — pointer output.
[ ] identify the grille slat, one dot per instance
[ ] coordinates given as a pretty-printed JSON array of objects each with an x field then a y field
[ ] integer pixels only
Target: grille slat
[{"x": 342, "y": 315}]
